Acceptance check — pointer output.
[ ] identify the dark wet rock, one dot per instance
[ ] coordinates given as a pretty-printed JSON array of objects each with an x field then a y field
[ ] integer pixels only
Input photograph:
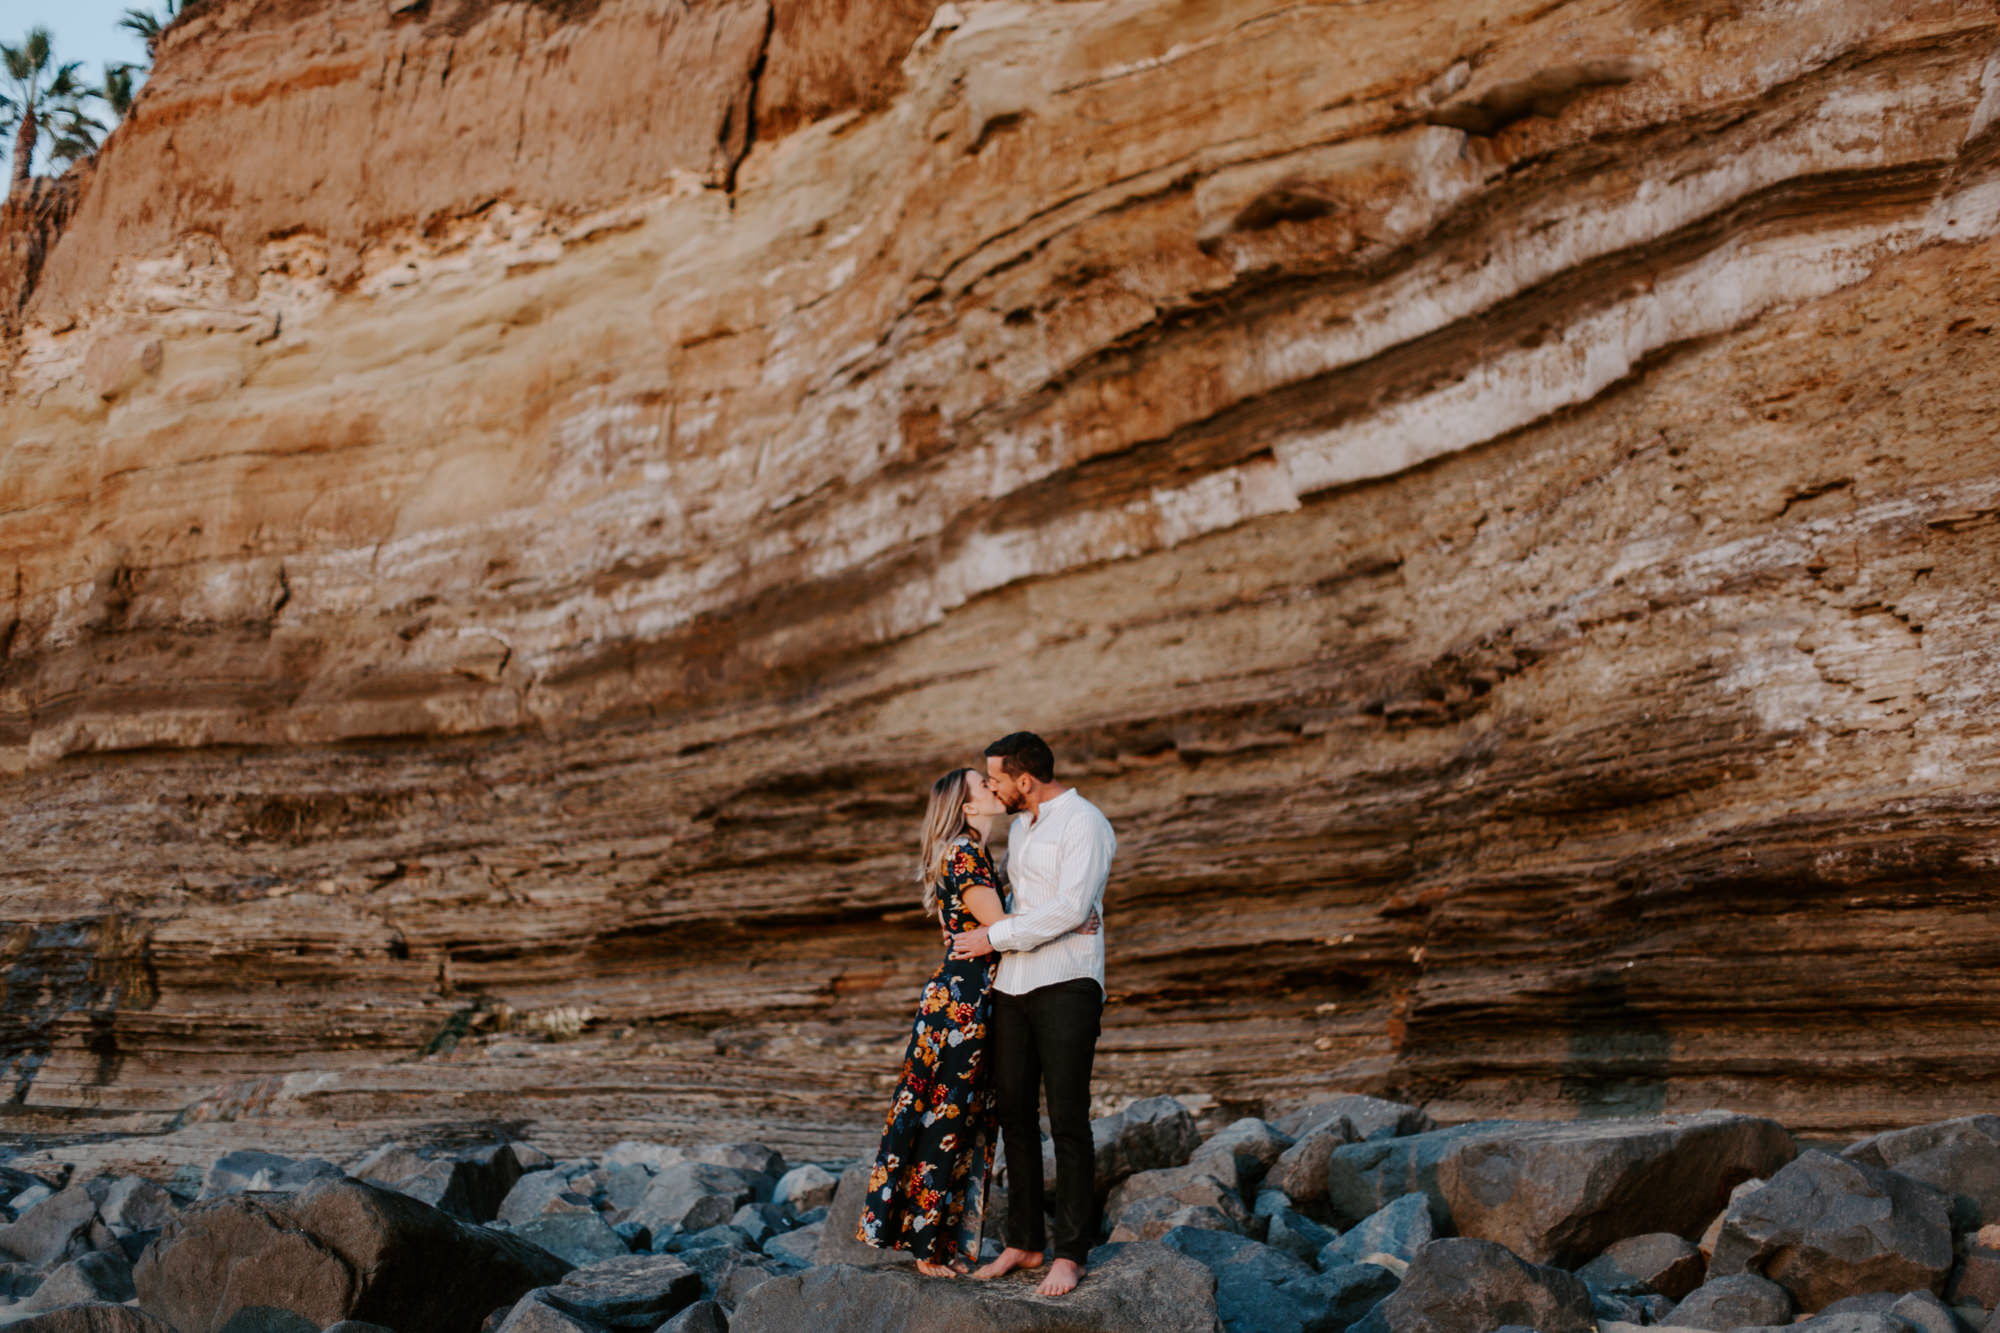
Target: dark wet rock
[
  {"x": 637, "y": 1291},
  {"x": 1151, "y": 1134},
  {"x": 262, "y": 1173},
  {"x": 1826, "y": 1227},
  {"x": 580, "y": 1238},
  {"x": 1658, "y": 1263},
  {"x": 1464, "y": 1285},
  {"x": 1400, "y": 1229},
  {"x": 339, "y": 1249},
  {"x": 1733, "y": 1300},
  {"x": 1251, "y": 1144},
  {"x": 97, "y": 1276},
  {"x": 1259, "y": 1289},
  {"x": 837, "y": 1242},
  {"x": 1368, "y": 1117},
  {"x": 804, "y": 1188},
  {"x": 1300, "y": 1171},
  {"x": 701, "y": 1317},
  {"x": 1137, "y": 1288},
  {"x": 100, "y": 1317},
  {"x": 690, "y": 1196},
  {"x": 1362, "y": 1177},
  {"x": 1960, "y": 1157},
  {"x": 1297, "y": 1235},
  {"x": 1561, "y": 1193},
  {"x": 55, "y": 1229}
]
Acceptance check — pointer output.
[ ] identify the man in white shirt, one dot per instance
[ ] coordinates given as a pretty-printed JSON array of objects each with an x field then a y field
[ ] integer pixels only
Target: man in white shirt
[{"x": 1048, "y": 1000}]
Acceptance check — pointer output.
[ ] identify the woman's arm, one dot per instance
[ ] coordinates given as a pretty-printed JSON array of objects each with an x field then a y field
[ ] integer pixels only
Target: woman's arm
[{"x": 982, "y": 896}]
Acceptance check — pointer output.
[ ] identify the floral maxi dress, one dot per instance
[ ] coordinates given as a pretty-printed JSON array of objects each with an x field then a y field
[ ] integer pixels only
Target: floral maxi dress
[{"x": 927, "y": 1191}]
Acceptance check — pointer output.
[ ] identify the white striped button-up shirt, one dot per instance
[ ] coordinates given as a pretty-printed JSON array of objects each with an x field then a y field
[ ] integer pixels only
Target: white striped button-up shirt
[{"x": 1057, "y": 864}]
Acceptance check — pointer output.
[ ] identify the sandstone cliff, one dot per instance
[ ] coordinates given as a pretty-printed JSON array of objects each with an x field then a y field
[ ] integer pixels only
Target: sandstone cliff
[{"x": 509, "y": 502}]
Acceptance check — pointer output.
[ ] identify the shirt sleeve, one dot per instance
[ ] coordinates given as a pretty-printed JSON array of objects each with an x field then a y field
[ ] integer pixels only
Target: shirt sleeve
[{"x": 1087, "y": 846}]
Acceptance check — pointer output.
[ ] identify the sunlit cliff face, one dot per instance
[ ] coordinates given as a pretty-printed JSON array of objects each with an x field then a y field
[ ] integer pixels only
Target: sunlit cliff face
[{"x": 509, "y": 506}]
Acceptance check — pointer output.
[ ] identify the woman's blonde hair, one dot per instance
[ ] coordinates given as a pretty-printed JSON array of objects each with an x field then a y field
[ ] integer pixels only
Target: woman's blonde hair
[{"x": 944, "y": 824}]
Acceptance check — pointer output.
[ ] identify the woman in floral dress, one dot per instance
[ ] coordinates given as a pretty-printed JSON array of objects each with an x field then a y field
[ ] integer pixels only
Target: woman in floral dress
[{"x": 926, "y": 1193}]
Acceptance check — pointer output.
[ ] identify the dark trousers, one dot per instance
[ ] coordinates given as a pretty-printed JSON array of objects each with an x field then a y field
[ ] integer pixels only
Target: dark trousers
[{"x": 1048, "y": 1037}]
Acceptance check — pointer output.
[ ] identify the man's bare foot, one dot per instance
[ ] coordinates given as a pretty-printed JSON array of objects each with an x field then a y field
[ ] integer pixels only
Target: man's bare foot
[
  {"x": 1007, "y": 1261},
  {"x": 929, "y": 1269},
  {"x": 1063, "y": 1276}
]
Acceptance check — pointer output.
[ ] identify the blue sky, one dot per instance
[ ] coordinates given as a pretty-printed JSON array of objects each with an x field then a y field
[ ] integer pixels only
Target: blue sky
[{"x": 85, "y": 30}]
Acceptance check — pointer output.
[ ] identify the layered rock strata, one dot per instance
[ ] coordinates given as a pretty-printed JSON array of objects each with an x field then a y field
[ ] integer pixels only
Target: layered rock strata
[{"x": 509, "y": 504}]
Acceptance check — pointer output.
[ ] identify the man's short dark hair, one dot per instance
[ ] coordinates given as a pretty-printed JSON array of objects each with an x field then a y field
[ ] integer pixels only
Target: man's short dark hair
[{"x": 1024, "y": 752}]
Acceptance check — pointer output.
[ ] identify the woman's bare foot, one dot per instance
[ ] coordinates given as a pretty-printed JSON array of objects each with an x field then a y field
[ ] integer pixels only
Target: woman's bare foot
[
  {"x": 929, "y": 1269},
  {"x": 1063, "y": 1276},
  {"x": 1007, "y": 1261}
]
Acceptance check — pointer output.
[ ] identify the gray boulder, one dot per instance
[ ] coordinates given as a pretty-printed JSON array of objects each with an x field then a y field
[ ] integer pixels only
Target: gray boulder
[
  {"x": 690, "y": 1196},
  {"x": 55, "y": 1229},
  {"x": 18, "y": 1280},
  {"x": 1735, "y": 1300},
  {"x": 581, "y": 1238},
  {"x": 637, "y": 1291},
  {"x": 263, "y": 1173},
  {"x": 1825, "y": 1227},
  {"x": 539, "y": 1312},
  {"x": 134, "y": 1204},
  {"x": 1252, "y": 1145},
  {"x": 1368, "y": 1117},
  {"x": 1400, "y": 1229},
  {"x": 1362, "y": 1177},
  {"x": 98, "y": 1276},
  {"x": 1300, "y": 1171},
  {"x": 1560, "y": 1193},
  {"x": 1660, "y": 1263},
  {"x": 91, "y": 1317},
  {"x": 338, "y": 1249},
  {"x": 1192, "y": 1186},
  {"x": 1148, "y": 1135},
  {"x": 1151, "y": 1219},
  {"x": 1138, "y": 1288},
  {"x": 625, "y": 1186},
  {"x": 1464, "y": 1285},
  {"x": 540, "y": 1193},
  {"x": 1960, "y": 1157},
  {"x": 795, "y": 1249},
  {"x": 1260, "y": 1289},
  {"x": 804, "y": 1188},
  {"x": 837, "y": 1241},
  {"x": 701, "y": 1317},
  {"x": 756, "y": 1158},
  {"x": 1925, "y": 1313},
  {"x": 1297, "y": 1235}
]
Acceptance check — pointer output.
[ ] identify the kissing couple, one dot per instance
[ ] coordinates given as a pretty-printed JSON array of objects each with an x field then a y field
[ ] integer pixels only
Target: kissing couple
[{"x": 989, "y": 1037}]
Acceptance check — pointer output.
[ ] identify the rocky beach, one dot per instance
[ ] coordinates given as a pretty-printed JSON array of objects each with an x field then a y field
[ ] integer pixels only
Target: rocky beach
[{"x": 506, "y": 506}]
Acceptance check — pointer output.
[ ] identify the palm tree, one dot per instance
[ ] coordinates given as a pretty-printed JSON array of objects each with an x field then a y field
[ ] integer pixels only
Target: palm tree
[
  {"x": 149, "y": 25},
  {"x": 30, "y": 92},
  {"x": 118, "y": 89}
]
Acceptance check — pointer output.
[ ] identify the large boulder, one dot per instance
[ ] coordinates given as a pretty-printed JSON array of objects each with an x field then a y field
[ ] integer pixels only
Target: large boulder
[
  {"x": 804, "y": 1188},
  {"x": 1148, "y": 1135},
  {"x": 1960, "y": 1157},
  {"x": 1660, "y": 1263},
  {"x": 540, "y": 1193},
  {"x": 1138, "y": 1288},
  {"x": 1401, "y": 1229},
  {"x": 1192, "y": 1186},
  {"x": 1300, "y": 1171},
  {"x": 1825, "y": 1227},
  {"x": 1367, "y": 1117},
  {"x": 1362, "y": 1177},
  {"x": 91, "y": 1317},
  {"x": 339, "y": 1249},
  {"x": 579, "y": 1238},
  {"x": 467, "y": 1184},
  {"x": 134, "y": 1204},
  {"x": 639, "y": 1291},
  {"x": 98, "y": 1276},
  {"x": 1465, "y": 1285},
  {"x": 1260, "y": 1289},
  {"x": 1251, "y": 1146},
  {"x": 55, "y": 1229},
  {"x": 1560, "y": 1193},
  {"x": 1736, "y": 1300}
]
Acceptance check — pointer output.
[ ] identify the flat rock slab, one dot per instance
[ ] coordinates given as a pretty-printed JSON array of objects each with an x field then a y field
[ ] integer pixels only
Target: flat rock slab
[
  {"x": 1561, "y": 1193},
  {"x": 1141, "y": 1288},
  {"x": 1826, "y": 1227}
]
